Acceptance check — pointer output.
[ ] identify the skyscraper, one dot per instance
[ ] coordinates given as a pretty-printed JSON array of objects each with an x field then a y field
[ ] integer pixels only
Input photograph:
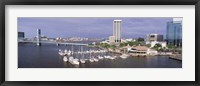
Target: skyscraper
[
  {"x": 20, "y": 35},
  {"x": 117, "y": 30},
  {"x": 38, "y": 37},
  {"x": 174, "y": 32}
]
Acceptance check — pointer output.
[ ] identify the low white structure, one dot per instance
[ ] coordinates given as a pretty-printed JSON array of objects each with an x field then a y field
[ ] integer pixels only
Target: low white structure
[
  {"x": 129, "y": 39},
  {"x": 111, "y": 39},
  {"x": 152, "y": 52},
  {"x": 153, "y": 43},
  {"x": 106, "y": 41},
  {"x": 142, "y": 50}
]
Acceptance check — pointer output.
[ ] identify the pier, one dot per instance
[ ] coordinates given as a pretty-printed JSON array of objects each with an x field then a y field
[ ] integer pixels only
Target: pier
[{"x": 176, "y": 57}]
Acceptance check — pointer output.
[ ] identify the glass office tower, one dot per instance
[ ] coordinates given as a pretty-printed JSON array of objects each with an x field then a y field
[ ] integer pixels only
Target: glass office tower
[{"x": 174, "y": 33}]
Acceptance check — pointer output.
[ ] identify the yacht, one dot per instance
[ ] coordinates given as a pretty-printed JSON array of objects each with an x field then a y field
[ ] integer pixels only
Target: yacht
[
  {"x": 71, "y": 59},
  {"x": 96, "y": 60},
  {"x": 100, "y": 57},
  {"x": 124, "y": 56},
  {"x": 82, "y": 60},
  {"x": 107, "y": 57},
  {"x": 112, "y": 58},
  {"x": 91, "y": 60},
  {"x": 65, "y": 59},
  {"x": 69, "y": 53},
  {"x": 61, "y": 52},
  {"x": 75, "y": 62}
]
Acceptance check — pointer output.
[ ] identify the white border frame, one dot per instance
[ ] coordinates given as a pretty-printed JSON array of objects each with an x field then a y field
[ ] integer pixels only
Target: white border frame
[{"x": 186, "y": 73}]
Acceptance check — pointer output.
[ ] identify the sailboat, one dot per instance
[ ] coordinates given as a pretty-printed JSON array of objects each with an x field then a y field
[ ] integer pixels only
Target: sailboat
[
  {"x": 65, "y": 59},
  {"x": 91, "y": 58},
  {"x": 60, "y": 52},
  {"x": 82, "y": 60}
]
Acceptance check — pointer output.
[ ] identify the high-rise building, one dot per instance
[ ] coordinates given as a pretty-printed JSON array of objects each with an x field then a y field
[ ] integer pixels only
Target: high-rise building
[
  {"x": 154, "y": 37},
  {"x": 38, "y": 37},
  {"x": 174, "y": 32},
  {"x": 117, "y": 30},
  {"x": 20, "y": 35}
]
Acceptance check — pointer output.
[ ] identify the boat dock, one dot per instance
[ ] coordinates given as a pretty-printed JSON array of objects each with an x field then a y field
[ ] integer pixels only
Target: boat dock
[{"x": 176, "y": 57}]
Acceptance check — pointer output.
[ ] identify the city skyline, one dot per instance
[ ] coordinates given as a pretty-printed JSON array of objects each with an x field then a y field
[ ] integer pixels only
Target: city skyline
[{"x": 132, "y": 27}]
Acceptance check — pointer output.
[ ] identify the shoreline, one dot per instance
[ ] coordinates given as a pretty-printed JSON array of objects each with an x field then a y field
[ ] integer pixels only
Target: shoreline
[{"x": 170, "y": 56}]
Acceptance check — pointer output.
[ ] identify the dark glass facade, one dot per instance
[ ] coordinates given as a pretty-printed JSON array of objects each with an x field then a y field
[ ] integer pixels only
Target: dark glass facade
[
  {"x": 174, "y": 33},
  {"x": 20, "y": 34}
]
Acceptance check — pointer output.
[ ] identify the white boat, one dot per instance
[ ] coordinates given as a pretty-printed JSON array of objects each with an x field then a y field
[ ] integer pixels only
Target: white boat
[
  {"x": 75, "y": 62},
  {"x": 96, "y": 60},
  {"x": 100, "y": 57},
  {"x": 124, "y": 56},
  {"x": 91, "y": 60},
  {"x": 82, "y": 60},
  {"x": 65, "y": 51},
  {"x": 107, "y": 57},
  {"x": 71, "y": 59},
  {"x": 65, "y": 59},
  {"x": 112, "y": 58},
  {"x": 61, "y": 53},
  {"x": 69, "y": 53}
]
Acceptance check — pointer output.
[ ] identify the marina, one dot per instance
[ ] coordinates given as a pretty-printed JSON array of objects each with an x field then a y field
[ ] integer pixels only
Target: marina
[
  {"x": 32, "y": 56},
  {"x": 94, "y": 56}
]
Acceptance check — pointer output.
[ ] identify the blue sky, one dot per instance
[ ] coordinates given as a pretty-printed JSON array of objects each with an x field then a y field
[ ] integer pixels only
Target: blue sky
[{"x": 91, "y": 27}]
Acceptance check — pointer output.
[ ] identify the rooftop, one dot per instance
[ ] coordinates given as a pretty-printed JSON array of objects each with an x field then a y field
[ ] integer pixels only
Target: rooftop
[
  {"x": 141, "y": 48},
  {"x": 117, "y": 20}
]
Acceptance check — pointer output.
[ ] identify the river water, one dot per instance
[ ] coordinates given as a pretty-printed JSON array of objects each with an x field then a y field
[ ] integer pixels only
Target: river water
[{"x": 46, "y": 56}]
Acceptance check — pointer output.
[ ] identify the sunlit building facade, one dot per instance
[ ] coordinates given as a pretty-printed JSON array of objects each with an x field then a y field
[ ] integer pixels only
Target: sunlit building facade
[{"x": 117, "y": 30}]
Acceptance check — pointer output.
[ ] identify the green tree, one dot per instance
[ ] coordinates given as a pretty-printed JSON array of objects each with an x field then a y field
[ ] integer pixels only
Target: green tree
[
  {"x": 122, "y": 44},
  {"x": 131, "y": 43},
  {"x": 157, "y": 46},
  {"x": 170, "y": 46},
  {"x": 148, "y": 45},
  {"x": 113, "y": 46}
]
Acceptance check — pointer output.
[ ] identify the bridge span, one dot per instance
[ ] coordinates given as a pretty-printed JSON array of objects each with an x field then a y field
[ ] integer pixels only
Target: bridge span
[{"x": 53, "y": 42}]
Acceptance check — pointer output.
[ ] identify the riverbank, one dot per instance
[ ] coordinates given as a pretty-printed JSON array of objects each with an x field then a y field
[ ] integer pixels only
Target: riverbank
[{"x": 176, "y": 57}]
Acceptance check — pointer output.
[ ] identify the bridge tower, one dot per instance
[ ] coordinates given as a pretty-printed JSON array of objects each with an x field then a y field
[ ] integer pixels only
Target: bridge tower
[{"x": 38, "y": 37}]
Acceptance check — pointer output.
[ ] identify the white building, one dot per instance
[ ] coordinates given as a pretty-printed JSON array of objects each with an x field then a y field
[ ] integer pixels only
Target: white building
[
  {"x": 141, "y": 50},
  {"x": 117, "y": 30},
  {"x": 154, "y": 39},
  {"x": 129, "y": 39},
  {"x": 111, "y": 39},
  {"x": 152, "y": 52},
  {"x": 153, "y": 43},
  {"x": 177, "y": 20}
]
